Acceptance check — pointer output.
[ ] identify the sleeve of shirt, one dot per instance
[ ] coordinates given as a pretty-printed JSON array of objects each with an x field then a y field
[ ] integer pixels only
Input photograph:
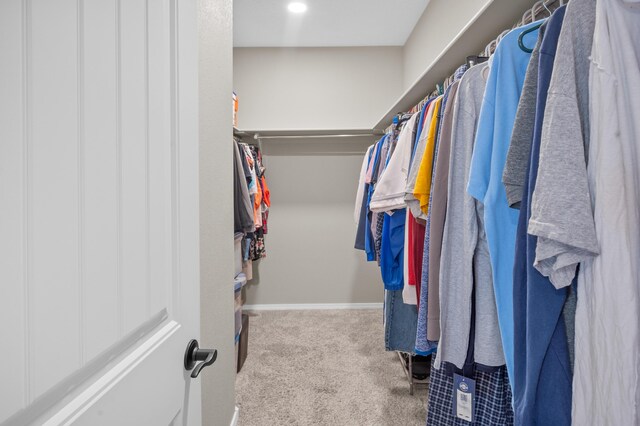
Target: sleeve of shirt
[
  {"x": 561, "y": 210},
  {"x": 396, "y": 233},
  {"x": 480, "y": 171},
  {"x": 361, "y": 183},
  {"x": 515, "y": 170}
]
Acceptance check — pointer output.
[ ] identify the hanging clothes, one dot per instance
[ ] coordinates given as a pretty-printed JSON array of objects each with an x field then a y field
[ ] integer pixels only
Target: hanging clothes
[
  {"x": 377, "y": 218},
  {"x": 362, "y": 199},
  {"x": 400, "y": 318},
  {"x": 510, "y": 202},
  {"x": 423, "y": 180},
  {"x": 388, "y": 198},
  {"x": 566, "y": 129},
  {"x": 243, "y": 212},
  {"x": 361, "y": 185},
  {"x": 465, "y": 268},
  {"x": 369, "y": 230},
  {"x": 563, "y": 151},
  {"x": 252, "y": 200},
  {"x": 542, "y": 375},
  {"x": 492, "y": 405},
  {"x": 502, "y": 94},
  {"x": 423, "y": 345},
  {"x": 415, "y": 226},
  {"x": 390, "y": 188},
  {"x": 412, "y": 202},
  {"x": 603, "y": 236},
  {"x": 438, "y": 211}
]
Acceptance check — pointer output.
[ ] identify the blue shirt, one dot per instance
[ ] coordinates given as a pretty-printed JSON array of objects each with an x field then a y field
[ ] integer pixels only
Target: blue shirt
[
  {"x": 495, "y": 124},
  {"x": 543, "y": 379},
  {"x": 392, "y": 250}
]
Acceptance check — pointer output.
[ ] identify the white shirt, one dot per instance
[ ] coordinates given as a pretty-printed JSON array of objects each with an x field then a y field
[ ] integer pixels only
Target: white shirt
[
  {"x": 606, "y": 389},
  {"x": 361, "y": 184},
  {"x": 390, "y": 189}
]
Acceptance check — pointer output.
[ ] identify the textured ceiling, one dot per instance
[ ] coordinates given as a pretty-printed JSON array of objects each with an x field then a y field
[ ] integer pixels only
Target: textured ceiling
[{"x": 268, "y": 23}]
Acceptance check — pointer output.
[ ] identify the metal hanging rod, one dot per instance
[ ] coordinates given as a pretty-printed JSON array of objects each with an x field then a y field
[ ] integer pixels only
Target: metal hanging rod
[{"x": 257, "y": 136}]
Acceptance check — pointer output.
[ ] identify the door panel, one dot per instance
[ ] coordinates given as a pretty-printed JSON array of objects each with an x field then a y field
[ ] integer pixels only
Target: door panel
[
  {"x": 52, "y": 266},
  {"x": 132, "y": 383},
  {"x": 99, "y": 238},
  {"x": 134, "y": 143},
  {"x": 12, "y": 220},
  {"x": 99, "y": 154}
]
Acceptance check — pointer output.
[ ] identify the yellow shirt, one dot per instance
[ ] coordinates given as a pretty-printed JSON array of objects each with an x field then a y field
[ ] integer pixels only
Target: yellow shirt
[{"x": 423, "y": 181}]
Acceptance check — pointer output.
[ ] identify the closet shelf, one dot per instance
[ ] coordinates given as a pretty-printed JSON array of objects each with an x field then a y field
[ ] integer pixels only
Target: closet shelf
[{"x": 483, "y": 27}]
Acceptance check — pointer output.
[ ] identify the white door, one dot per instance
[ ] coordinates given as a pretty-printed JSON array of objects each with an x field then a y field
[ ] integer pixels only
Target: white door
[{"x": 98, "y": 212}]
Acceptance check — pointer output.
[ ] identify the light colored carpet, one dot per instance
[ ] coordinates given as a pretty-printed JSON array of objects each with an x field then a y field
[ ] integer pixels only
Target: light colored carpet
[{"x": 324, "y": 368}]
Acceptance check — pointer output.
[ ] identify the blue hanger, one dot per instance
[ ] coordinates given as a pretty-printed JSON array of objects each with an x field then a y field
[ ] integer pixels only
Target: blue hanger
[
  {"x": 524, "y": 33},
  {"x": 533, "y": 28}
]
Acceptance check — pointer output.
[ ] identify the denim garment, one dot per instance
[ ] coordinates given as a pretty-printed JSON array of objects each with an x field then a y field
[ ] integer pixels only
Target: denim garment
[
  {"x": 542, "y": 375},
  {"x": 399, "y": 323}
]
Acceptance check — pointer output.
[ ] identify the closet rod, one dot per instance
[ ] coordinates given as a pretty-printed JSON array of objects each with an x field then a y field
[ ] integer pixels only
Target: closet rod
[{"x": 258, "y": 136}]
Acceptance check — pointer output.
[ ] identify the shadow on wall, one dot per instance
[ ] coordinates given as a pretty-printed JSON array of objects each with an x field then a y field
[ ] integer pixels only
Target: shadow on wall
[
  {"x": 366, "y": 274},
  {"x": 255, "y": 280}
]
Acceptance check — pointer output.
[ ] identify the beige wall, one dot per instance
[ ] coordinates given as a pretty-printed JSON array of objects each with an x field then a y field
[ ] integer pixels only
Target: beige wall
[
  {"x": 310, "y": 246},
  {"x": 310, "y": 254},
  {"x": 216, "y": 210},
  {"x": 437, "y": 27},
  {"x": 342, "y": 87},
  {"x": 315, "y": 88}
]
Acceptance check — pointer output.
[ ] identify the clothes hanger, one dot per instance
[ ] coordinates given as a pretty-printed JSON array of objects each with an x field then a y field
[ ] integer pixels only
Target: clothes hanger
[
  {"x": 524, "y": 33},
  {"x": 492, "y": 46},
  {"x": 533, "y": 28},
  {"x": 477, "y": 59},
  {"x": 501, "y": 36}
]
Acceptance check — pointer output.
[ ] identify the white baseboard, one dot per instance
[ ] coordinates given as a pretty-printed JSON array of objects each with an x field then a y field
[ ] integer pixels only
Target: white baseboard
[
  {"x": 310, "y": 306},
  {"x": 236, "y": 415}
]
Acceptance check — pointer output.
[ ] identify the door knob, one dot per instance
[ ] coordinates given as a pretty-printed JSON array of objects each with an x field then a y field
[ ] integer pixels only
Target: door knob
[{"x": 193, "y": 354}]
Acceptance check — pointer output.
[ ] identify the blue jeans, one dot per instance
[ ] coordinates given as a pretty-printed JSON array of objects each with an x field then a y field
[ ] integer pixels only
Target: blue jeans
[{"x": 400, "y": 323}]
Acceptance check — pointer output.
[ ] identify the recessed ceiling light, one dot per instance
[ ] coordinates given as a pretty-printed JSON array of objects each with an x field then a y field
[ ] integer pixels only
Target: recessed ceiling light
[{"x": 297, "y": 7}]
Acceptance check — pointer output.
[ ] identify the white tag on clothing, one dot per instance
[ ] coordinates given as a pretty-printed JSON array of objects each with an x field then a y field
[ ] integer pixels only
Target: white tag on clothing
[{"x": 464, "y": 391}]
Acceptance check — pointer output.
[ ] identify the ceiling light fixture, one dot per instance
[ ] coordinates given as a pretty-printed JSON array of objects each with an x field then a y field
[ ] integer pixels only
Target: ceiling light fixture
[{"x": 297, "y": 7}]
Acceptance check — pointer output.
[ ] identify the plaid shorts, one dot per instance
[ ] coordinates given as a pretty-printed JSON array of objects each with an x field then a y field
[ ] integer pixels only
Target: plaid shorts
[{"x": 493, "y": 399}]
